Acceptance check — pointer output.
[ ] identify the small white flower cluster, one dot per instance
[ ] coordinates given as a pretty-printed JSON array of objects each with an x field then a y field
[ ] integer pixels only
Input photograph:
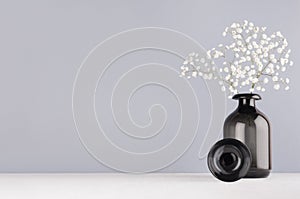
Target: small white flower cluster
[{"x": 252, "y": 60}]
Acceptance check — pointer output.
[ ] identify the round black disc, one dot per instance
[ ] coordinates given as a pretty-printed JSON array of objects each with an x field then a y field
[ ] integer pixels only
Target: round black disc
[{"x": 229, "y": 160}]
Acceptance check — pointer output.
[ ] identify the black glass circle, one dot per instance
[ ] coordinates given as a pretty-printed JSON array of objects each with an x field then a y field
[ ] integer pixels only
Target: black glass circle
[{"x": 229, "y": 160}]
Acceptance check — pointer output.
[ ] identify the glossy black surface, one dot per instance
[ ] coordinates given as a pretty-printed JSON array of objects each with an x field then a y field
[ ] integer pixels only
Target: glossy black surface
[
  {"x": 251, "y": 127},
  {"x": 229, "y": 160}
]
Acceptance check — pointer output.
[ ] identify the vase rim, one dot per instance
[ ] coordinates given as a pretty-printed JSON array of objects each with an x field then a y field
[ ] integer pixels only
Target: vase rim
[{"x": 247, "y": 96}]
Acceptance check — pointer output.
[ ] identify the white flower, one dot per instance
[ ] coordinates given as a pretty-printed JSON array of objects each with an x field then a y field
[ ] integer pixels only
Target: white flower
[
  {"x": 287, "y": 80},
  {"x": 276, "y": 86},
  {"x": 275, "y": 79},
  {"x": 258, "y": 88},
  {"x": 274, "y": 61},
  {"x": 264, "y": 36},
  {"x": 227, "y": 77},
  {"x": 279, "y": 34},
  {"x": 286, "y": 56},
  {"x": 266, "y": 80},
  {"x": 239, "y": 30},
  {"x": 283, "y": 61},
  {"x": 258, "y": 51},
  {"x": 250, "y": 60},
  {"x": 254, "y": 80}
]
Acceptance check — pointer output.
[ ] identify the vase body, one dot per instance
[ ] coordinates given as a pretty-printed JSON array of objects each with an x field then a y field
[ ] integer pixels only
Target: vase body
[{"x": 250, "y": 126}]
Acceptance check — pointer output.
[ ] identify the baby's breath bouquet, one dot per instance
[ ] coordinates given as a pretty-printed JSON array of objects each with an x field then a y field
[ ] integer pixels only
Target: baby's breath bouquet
[{"x": 250, "y": 61}]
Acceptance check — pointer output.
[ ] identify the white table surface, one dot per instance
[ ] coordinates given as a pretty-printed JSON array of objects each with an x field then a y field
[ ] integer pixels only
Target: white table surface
[{"x": 154, "y": 186}]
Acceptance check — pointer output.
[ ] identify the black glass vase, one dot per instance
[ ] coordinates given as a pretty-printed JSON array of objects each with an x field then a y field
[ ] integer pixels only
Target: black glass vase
[
  {"x": 229, "y": 160},
  {"x": 250, "y": 126}
]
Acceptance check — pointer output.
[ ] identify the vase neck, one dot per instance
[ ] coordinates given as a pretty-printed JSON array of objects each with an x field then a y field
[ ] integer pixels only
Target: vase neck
[
  {"x": 246, "y": 102},
  {"x": 246, "y": 99}
]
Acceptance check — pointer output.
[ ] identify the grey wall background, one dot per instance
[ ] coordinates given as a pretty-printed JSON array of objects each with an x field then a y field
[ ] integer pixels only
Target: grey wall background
[{"x": 42, "y": 44}]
